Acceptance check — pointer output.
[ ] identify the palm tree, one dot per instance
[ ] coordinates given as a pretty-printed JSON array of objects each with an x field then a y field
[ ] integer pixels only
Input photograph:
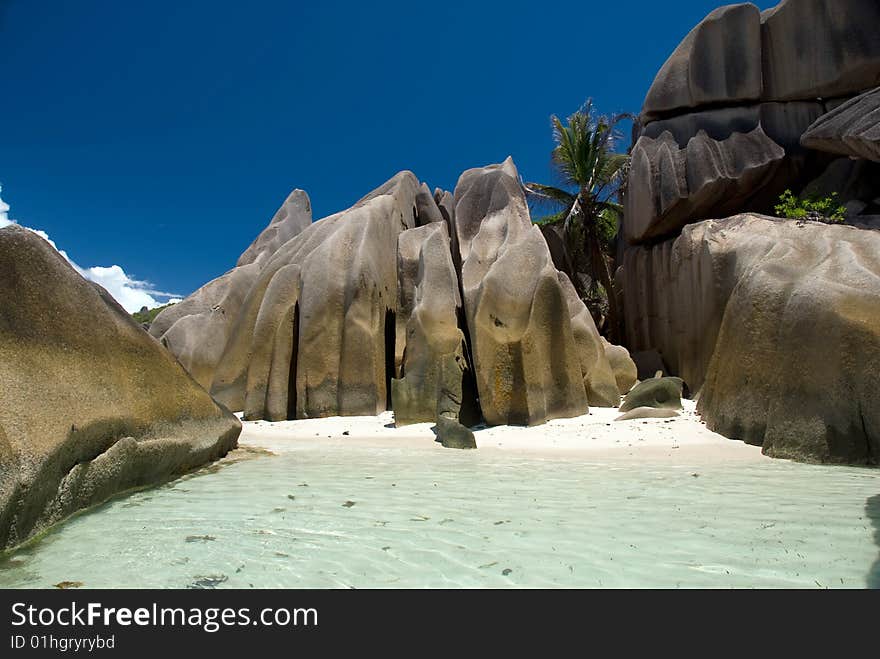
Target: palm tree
[{"x": 588, "y": 203}]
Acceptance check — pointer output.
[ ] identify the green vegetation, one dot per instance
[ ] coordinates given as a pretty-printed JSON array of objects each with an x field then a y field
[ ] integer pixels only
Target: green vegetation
[
  {"x": 587, "y": 205},
  {"x": 810, "y": 207},
  {"x": 148, "y": 315}
]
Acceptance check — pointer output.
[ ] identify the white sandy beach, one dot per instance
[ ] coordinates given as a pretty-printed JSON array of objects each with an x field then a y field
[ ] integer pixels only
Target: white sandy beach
[{"x": 595, "y": 435}]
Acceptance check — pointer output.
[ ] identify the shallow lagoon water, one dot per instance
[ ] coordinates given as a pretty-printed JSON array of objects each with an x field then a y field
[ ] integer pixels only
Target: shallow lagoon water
[{"x": 354, "y": 517}]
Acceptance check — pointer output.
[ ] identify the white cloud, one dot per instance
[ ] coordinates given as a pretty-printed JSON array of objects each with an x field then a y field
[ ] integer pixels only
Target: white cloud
[
  {"x": 4, "y": 212},
  {"x": 131, "y": 293}
]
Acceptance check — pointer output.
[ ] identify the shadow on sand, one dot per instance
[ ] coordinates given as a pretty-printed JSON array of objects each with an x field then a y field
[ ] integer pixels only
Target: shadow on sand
[{"x": 872, "y": 510}]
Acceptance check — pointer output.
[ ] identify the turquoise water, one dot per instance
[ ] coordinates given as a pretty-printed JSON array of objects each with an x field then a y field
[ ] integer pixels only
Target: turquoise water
[{"x": 339, "y": 517}]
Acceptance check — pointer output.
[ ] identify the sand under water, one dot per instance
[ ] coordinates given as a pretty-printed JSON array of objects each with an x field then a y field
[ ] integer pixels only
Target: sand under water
[{"x": 587, "y": 502}]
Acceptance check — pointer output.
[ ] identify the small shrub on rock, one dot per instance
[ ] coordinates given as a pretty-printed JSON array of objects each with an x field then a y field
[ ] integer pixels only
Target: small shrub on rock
[{"x": 811, "y": 207}]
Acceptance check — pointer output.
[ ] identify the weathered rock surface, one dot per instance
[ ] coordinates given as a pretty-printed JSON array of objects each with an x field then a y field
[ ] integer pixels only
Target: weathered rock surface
[
  {"x": 336, "y": 284},
  {"x": 739, "y": 75},
  {"x": 598, "y": 376},
  {"x": 452, "y": 434},
  {"x": 196, "y": 330},
  {"x": 675, "y": 294},
  {"x": 648, "y": 413},
  {"x": 853, "y": 129},
  {"x": 290, "y": 220},
  {"x": 783, "y": 123},
  {"x": 88, "y": 409},
  {"x": 382, "y": 301},
  {"x": 671, "y": 187},
  {"x": 719, "y": 61},
  {"x": 435, "y": 375},
  {"x": 820, "y": 48},
  {"x": 658, "y": 393},
  {"x": 777, "y": 324},
  {"x": 524, "y": 351},
  {"x": 626, "y": 373},
  {"x": 708, "y": 149}
]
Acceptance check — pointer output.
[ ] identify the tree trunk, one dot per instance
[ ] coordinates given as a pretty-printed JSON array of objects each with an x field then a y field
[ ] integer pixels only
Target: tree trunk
[
  {"x": 602, "y": 271},
  {"x": 571, "y": 262}
]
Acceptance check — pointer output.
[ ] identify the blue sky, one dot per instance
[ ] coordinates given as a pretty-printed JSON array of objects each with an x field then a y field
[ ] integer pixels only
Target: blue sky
[{"x": 161, "y": 136}]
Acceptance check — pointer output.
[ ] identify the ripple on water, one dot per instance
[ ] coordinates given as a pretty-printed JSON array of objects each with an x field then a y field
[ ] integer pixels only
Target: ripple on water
[{"x": 341, "y": 517}]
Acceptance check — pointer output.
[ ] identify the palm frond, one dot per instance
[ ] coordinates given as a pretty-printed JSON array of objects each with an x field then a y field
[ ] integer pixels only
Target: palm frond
[
  {"x": 584, "y": 154},
  {"x": 549, "y": 193},
  {"x": 556, "y": 218}
]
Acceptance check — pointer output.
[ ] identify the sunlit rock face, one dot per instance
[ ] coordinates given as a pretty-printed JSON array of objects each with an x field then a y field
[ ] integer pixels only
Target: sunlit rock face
[
  {"x": 317, "y": 321},
  {"x": 91, "y": 405},
  {"x": 434, "y": 304},
  {"x": 795, "y": 366},
  {"x": 524, "y": 351},
  {"x": 197, "y": 329},
  {"x": 776, "y": 324}
]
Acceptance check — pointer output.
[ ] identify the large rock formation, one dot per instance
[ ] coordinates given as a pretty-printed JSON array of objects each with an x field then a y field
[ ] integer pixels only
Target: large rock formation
[
  {"x": 525, "y": 356},
  {"x": 727, "y": 126},
  {"x": 89, "y": 408},
  {"x": 777, "y": 323},
  {"x": 332, "y": 294},
  {"x": 722, "y": 123},
  {"x": 448, "y": 303}
]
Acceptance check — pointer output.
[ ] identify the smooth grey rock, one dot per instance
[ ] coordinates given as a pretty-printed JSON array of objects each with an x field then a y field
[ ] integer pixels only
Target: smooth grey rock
[
  {"x": 675, "y": 294},
  {"x": 664, "y": 392},
  {"x": 812, "y": 55},
  {"x": 91, "y": 405},
  {"x": 820, "y": 49},
  {"x": 446, "y": 203},
  {"x": 718, "y": 123},
  {"x": 785, "y": 123},
  {"x": 718, "y": 62},
  {"x": 451, "y": 434},
  {"x": 853, "y": 129}
]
